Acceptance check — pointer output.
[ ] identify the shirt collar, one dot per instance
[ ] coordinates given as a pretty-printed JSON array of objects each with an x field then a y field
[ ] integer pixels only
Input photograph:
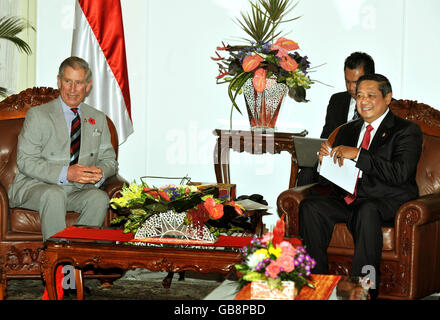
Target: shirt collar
[
  {"x": 376, "y": 123},
  {"x": 66, "y": 108}
]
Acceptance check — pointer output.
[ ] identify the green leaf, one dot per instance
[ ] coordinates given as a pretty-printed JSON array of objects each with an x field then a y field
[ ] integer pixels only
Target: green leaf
[
  {"x": 253, "y": 276},
  {"x": 274, "y": 283},
  {"x": 10, "y": 27}
]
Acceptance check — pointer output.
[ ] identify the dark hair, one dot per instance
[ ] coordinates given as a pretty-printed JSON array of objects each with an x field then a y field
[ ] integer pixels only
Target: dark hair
[
  {"x": 75, "y": 63},
  {"x": 384, "y": 83},
  {"x": 360, "y": 59}
]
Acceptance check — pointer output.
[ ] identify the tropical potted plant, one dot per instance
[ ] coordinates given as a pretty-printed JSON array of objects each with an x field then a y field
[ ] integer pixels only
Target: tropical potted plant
[
  {"x": 10, "y": 27},
  {"x": 265, "y": 68}
]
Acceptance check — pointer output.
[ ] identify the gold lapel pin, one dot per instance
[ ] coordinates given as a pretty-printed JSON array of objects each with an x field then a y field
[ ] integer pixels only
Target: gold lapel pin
[{"x": 384, "y": 134}]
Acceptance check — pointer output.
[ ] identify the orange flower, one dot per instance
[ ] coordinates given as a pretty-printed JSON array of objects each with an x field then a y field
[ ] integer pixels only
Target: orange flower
[
  {"x": 215, "y": 211},
  {"x": 287, "y": 44},
  {"x": 251, "y": 62},
  {"x": 288, "y": 63},
  {"x": 259, "y": 80}
]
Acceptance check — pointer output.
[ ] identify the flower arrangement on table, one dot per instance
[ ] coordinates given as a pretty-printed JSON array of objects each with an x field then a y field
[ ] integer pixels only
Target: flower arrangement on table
[
  {"x": 265, "y": 60},
  {"x": 273, "y": 259},
  {"x": 139, "y": 202}
]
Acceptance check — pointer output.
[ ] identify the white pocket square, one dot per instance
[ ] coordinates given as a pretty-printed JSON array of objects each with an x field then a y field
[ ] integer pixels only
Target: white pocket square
[{"x": 97, "y": 132}]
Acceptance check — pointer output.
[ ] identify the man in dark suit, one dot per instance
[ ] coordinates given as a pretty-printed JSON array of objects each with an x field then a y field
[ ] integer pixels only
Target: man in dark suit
[
  {"x": 342, "y": 105},
  {"x": 387, "y": 178}
]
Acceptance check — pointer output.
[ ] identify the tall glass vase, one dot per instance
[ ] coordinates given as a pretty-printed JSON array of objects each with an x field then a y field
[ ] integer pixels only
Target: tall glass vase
[{"x": 263, "y": 107}]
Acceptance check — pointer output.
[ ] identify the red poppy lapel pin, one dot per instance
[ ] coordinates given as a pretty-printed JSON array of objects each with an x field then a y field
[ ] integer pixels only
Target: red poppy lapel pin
[{"x": 91, "y": 121}]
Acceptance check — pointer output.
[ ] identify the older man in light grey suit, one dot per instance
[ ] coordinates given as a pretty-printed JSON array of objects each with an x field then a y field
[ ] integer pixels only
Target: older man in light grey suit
[{"x": 47, "y": 180}]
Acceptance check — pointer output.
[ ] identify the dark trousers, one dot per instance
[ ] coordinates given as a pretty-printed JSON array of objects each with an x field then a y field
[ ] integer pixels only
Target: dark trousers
[
  {"x": 307, "y": 175},
  {"x": 364, "y": 218}
]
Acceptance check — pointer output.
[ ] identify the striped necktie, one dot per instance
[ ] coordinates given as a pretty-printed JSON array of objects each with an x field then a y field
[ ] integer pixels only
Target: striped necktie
[
  {"x": 349, "y": 198},
  {"x": 356, "y": 114},
  {"x": 75, "y": 137}
]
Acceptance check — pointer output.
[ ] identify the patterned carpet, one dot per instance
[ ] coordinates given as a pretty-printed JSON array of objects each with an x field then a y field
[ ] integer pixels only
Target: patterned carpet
[{"x": 138, "y": 284}]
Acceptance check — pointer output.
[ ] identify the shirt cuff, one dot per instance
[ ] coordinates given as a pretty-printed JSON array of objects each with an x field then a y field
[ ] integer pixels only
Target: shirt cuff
[{"x": 62, "y": 178}]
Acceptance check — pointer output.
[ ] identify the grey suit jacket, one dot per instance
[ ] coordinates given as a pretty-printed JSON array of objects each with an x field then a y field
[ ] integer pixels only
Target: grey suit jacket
[{"x": 44, "y": 147}]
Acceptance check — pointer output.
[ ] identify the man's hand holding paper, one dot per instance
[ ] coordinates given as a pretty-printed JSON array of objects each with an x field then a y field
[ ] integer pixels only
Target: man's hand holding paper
[{"x": 333, "y": 168}]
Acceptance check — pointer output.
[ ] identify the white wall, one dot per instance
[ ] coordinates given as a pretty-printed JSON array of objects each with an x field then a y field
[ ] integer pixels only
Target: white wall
[{"x": 176, "y": 103}]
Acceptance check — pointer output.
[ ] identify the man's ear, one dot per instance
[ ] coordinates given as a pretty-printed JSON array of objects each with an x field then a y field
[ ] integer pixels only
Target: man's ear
[
  {"x": 388, "y": 98},
  {"x": 89, "y": 87},
  {"x": 58, "y": 82}
]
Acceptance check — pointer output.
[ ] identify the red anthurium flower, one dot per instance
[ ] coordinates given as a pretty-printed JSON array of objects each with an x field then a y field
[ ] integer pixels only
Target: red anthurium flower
[
  {"x": 91, "y": 121},
  {"x": 152, "y": 192},
  {"x": 259, "y": 80},
  {"x": 164, "y": 195},
  {"x": 238, "y": 208},
  {"x": 288, "y": 63},
  {"x": 286, "y": 44},
  {"x": 251, "y": 62},
  {"x": 278, "y": 232},
  {"x": 215, "y": 211}
]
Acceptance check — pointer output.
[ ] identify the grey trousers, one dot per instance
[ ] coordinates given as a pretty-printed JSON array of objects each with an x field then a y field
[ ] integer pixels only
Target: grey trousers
[{"x": 53, "y": 202}]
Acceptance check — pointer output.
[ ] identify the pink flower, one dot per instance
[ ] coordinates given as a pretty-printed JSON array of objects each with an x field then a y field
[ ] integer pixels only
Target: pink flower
[
  {"x": 285, "y": 263},
  {"x": 287, "y": 249},
  {"x": 267, "y": 237},
  {"x": 273, "y": 269},
  {"x": 281, "y": 51}
]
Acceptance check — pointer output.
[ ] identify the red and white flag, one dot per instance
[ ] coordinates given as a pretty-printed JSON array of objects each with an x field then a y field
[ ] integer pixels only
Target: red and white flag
[{"x": 98, "y": 38}]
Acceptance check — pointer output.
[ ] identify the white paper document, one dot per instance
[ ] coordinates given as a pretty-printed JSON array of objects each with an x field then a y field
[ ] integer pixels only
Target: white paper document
[
  {"x": 250, "y": 205},
  {"x": 345, "y": 176}
]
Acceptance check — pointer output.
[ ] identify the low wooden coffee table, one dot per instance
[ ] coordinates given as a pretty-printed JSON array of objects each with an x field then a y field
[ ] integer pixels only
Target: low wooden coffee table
[{"x": 107, "y": 254}]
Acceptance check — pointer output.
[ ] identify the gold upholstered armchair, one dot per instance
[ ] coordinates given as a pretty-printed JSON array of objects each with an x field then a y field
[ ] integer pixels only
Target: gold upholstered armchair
[
  {"x": 20, "y": 230},
  {"x": 410, "y": 264}
]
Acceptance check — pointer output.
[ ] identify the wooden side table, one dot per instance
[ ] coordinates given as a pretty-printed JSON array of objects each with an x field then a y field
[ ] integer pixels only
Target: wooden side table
[{"x": 255, "y": 143}]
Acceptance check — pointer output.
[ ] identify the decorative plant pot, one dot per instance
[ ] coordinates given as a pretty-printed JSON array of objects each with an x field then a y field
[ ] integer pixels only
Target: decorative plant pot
[
  {"x": 261, "y": 291},
  {"x": 172, "y": 225},
  {"x": 263, "y": 107}
]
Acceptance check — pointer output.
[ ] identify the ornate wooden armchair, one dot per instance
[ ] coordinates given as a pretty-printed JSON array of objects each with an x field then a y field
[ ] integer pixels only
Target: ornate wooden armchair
[
  {"x": 410, "y": 263},
  {"x": 20, "y": 235}
]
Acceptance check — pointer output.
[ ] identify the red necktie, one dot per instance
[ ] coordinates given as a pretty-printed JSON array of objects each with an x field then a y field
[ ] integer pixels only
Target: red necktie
[
  {"x": 349, "y": 198},
  {"x": 75, "y": 137}
]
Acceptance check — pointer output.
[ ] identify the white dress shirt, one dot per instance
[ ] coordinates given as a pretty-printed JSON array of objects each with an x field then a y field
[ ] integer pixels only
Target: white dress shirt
[{"x": 375, "y": 124}]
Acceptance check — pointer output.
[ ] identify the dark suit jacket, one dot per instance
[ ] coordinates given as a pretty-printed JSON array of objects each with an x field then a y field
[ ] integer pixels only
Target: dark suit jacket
[
  {"x": 337, "y": 112},
  {"x": 390, "y": 163}
]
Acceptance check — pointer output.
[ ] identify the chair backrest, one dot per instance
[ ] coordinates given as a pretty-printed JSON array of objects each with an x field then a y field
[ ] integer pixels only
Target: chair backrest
[
  {"x": 12, "y": 112},
  {"x": 428, "y": 168}
]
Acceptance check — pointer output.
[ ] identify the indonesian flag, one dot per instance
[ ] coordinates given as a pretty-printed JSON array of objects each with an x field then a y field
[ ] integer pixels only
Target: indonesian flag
[{"x": 98, "y": 38}]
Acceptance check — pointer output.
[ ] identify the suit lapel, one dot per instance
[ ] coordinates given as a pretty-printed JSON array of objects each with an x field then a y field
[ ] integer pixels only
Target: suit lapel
[
  {"x": 351, "y": 134},
  {"x": 57, "y": 116},
  {"x": 383, "y": 132},
  {"x": 345, "y": 106}
]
